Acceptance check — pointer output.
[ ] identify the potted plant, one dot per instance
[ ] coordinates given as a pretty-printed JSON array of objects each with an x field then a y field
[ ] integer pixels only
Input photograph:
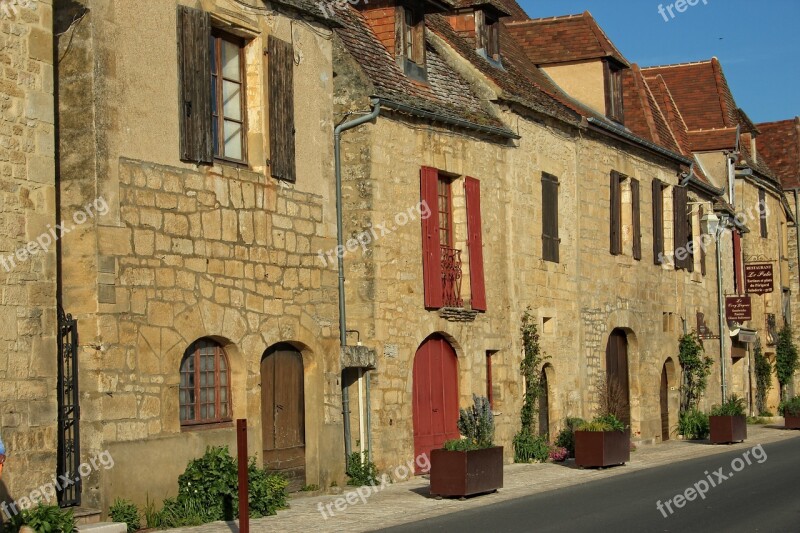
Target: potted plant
[
  {"x": 470, "y": 465},
  {"x": 728, "y": 422},
  {"x": 602, "y": 442},
  {"x": 790, "y": 409}
]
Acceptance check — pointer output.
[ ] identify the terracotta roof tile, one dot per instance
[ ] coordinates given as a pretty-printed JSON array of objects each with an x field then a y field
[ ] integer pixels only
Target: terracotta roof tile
[
  {"x": 712, "y": 140},
  {"x": 779, "y": 145},
  {"x": 643, "y": 115}
]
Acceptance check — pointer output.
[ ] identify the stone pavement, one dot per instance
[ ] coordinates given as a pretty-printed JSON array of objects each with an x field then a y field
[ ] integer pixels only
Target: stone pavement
[{"x": 409, "y": 501}]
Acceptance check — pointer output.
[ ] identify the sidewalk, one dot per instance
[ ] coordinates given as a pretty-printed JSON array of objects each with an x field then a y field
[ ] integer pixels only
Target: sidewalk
[{"x": 409, "y": 501}]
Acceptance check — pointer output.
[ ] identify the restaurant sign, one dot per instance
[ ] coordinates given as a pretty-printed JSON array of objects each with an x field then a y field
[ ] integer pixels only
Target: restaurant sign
[
  {"x": 758, "y": 278},
  {"x": 738, "y": 308}
]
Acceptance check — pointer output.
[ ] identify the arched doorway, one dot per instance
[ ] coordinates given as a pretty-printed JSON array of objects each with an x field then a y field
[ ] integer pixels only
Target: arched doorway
[
  {"x": 617, "y": 376},
  {"x": 435, "y": 395},
  {"x": 664, "y": 404},
  {"x": 544, "y": 404},
  {"x": 283, "y": 413}
]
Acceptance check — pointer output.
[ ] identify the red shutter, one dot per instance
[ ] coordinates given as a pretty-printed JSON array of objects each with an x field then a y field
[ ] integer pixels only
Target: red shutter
[
  {"x": 737, "y": 262},
  {"x": 431, "y": 247},
  {"x": 475, "y": 243}
]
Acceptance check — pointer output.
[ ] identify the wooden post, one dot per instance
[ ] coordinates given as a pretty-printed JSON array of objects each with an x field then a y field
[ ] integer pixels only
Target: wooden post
[{"x": 244, "y": 504}]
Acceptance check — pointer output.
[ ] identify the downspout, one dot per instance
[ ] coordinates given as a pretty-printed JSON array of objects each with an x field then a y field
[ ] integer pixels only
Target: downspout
[
  {"x": 722, "y": 328},
  {"x": 337, "y": 156}
]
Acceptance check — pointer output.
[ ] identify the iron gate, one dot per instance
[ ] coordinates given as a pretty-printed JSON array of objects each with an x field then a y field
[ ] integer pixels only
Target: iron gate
[{"x": 69, "y": 449}]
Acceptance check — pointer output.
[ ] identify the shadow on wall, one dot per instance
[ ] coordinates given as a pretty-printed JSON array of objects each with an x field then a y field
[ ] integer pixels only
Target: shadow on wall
[{"x": 5, "y": 496}]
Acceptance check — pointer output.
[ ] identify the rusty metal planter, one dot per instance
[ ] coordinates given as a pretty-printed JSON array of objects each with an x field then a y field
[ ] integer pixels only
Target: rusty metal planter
[
  {"x": 466, "y": 473},
  {"x": 728, "y": 429},
  {"x": 792, "y": 422},
  {"x": 602, "y": 448}
]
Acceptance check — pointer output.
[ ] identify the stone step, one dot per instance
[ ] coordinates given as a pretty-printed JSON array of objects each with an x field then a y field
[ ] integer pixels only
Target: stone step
[
  {"x": 104, "y": 527},
  {"x": 86, "y": 515}
]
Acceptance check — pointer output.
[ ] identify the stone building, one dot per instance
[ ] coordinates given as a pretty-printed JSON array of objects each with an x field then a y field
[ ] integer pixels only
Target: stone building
[{"x": 28, "y": 350}]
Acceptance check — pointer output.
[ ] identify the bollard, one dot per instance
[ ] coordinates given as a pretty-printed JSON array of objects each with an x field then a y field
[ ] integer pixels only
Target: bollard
[{"x": 244, "y": 503}]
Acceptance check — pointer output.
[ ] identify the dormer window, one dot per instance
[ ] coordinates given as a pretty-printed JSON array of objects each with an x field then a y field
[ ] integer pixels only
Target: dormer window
[
  {"x": 411, "y": 45},
  {"x": 614, "y": 104},
  {"x": 487, "y": 35}
]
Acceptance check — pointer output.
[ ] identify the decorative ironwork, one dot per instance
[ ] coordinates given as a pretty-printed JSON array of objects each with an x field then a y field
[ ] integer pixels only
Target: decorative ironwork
[
  {"x": 451, "y": 277},
  {"x": 69, "y": 411},
  {"x": 772, "y": 330}
]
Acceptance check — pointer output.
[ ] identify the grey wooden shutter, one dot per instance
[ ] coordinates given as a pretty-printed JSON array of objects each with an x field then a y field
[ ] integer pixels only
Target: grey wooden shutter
[
  {"x": 637, "y": 220},
  {"x": 616, "y": 213},
  {"x": 550, "y": 240},
  {"x": 679, "y": 200},
  {"x": 658, "y": 222},
  {"x": 281, "y": 110},
  {"x": 194, "y": 78}
]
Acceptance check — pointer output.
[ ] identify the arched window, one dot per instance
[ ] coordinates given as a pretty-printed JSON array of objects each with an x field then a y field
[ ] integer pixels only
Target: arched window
[{"x": 205, "y": 384}]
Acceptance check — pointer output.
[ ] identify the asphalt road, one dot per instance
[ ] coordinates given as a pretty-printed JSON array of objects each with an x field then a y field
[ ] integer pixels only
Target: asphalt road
[{"x": 763, "y": 496}]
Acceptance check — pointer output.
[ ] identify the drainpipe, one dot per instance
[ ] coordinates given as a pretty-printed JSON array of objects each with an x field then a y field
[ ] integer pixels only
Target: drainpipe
[
  {"x": 722, "y": 329},
  {"x": 337, "y": 154}
]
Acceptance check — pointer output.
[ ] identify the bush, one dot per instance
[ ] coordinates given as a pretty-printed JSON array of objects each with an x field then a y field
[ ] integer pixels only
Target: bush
[
  {"x": 566, "y": 437},
  {"x": 603, "y": 423},
  {"x": 693, "y": 424},
  {"x": 530, "y": 448},
  {"x": 786, "y": 358},
  {"x": 476, "y": 424},
  {"x": 361, "y": 472},
  {"x": 696, "y": 366},
  {"x": 460, "y": 445},
  {"x": 763, "y": 371},
  {"x": 44, "y": 519},
  {"x": 733, "y": 406},
  {"x": 125, "y": 512},
  {"x": 558, "y": 454},
  {"x": 790, "y": 407}
]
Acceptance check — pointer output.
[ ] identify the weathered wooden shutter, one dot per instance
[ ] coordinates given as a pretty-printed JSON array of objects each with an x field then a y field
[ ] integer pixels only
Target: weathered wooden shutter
[
  {"x": 679, "y": 199},
  {"x": 616, "y": 214},
  {"x": 658, "y": 222},
  {"x": 737, "y": 262},
  {"x": 689, "y": 239},
  {"x": 431, "y": 246},
  {"x": 472, "y": 189},
  {"x": 702, "y": 246},
  {"x": 280, "y": 78},
  {"x": 637, "y": 220},
  {"x": 550, "y": 240},
  {"x": 194, "y": 78},
  {"x": 762, "y": 212}
]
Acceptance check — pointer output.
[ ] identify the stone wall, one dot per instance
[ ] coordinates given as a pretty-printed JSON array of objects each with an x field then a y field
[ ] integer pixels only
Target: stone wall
[{"x": 28, "y": 352}]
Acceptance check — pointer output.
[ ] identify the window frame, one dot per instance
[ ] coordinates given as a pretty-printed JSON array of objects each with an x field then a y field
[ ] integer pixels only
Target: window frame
[
  {"x": 217, "y": 36},
  {"x": 193, "y": 351},
  {"x": 446, "y": 183},
  {"x": 410, "y": 30},
  {"x": 615, "y": 105},
  {"x": 550, "y": 212}
]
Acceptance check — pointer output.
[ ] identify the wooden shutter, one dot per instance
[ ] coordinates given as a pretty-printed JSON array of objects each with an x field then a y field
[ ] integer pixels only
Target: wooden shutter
[
  {"x": 679, "y": 199},
  {"x": 762, "y": 212},
  {"x": 194, "y": 79},
  {"x": 550, "y": 240},
  {"x": 737, "y": 262},
  {"x": 637, "y": 220},
  {"x": 616, "y": 214},
  {"x": 689, "y": 239},
  {"x": 431, "y": 247},
  {"x": 700, "y": 214},
  {"x": 472, "y": 189},
  {"x": 658, "y": 222},
  {"x": 280, "y": 78}
]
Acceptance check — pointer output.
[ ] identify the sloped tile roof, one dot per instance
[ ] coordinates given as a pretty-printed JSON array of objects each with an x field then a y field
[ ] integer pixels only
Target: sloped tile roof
[
  {"x": 642, "y": 113},
  {"x": 712, "y": 140},
  {"x": 779, "y": 146},
  {"x": 562, "y": 39}
]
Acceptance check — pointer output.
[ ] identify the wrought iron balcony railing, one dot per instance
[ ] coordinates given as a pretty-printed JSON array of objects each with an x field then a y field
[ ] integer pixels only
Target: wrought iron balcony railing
[{"x": 451, "y": 277}]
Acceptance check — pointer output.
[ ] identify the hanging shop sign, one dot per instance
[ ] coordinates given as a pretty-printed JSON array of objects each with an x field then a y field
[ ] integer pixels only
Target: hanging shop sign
[
  {"x": 738, "y": 309},
  {"x": 758, "y": 278}
]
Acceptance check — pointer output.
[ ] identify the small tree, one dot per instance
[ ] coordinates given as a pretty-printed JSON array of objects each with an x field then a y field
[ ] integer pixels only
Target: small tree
[
  {"x": 527, "y": 445},
  {"x": 763, "y": 371},
  {"x": 696, "y": 366},
  {"x": 611, "y": 398},
  {"x": 786, "y": 362}
]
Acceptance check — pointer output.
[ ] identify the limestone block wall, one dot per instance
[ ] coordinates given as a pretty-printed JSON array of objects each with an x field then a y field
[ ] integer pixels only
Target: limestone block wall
[{"x": 28, "y": 350}]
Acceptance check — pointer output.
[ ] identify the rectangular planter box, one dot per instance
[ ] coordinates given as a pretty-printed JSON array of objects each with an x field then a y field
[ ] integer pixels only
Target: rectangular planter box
[
  {"x": 602, "y": 448},
  {"x": 466, "y": 473},
  {"x": 792, "y": 422},
  {"x": 728, "y": 429}
]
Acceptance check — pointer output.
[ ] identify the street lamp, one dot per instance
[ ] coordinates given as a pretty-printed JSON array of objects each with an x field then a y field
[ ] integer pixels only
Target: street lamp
[{"x": 715, "y": 226}]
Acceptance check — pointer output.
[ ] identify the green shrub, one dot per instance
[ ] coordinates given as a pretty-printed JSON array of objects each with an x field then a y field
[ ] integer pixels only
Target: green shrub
[
  {"x": 530, "y": 448},
  {"x": 696, "y": 366},
  {"x": 756, "y": 420},
  {"x": 44, "y": 519},
  {"x": 733, "y": 406},
  {"x": 125, "y": 512},
  {"x": 566, "y": 437},
  {"x": 790, "y": 407},
  {"x": 267, "y": 493},
  {"x": 460, "y": 445},
  {"x": 763, "y": 372},
  {"x": 603, "y": 423},
  {"x": 152, "y": 516},
  {"x": 786, "y": 358},
  {"x": 693, "y": 424},
  {"x": 183, "y": 512},
  {"x": 361, "y": 472},
  {"x": 476, "y": 423}
]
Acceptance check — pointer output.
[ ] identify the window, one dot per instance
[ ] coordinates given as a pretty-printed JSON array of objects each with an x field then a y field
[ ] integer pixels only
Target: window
[
  {"x": 489, "y": 391},
  {"x": 681, "y": 228},
  {"x": 614, "y": 103},
  {"x": 738, "y": 269},
  {"x": 700, "y": 214},
  {"x": 445, "y": 207},
  {"x": 550, "y": 240},
  {"x": 636, "y": 220},
  {"x": 689, "y": 239},
  {"x": 762, "y": 212},
  {"x": 227, "y": 96},
  {"x": 658, "y": 222},
  {"x": 411, "y": 43},
  {"x": 205, "y": 385},
  {"x": 487, "y": 35},
  {"x": 616, "y": 213}
]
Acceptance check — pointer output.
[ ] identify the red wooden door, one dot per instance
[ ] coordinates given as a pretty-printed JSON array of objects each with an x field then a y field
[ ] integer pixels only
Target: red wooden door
[
  {"x": 435, "y": 400},
  {"x": 617, "y": 374},
  {"x": 283, "y": 412}
]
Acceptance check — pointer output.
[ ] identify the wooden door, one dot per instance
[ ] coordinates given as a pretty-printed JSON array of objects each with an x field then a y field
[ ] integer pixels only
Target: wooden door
[
  {"x": 617, "y": 374},
  {"x": 664, "y": 404},
  {"x": 435, "y": 395},
  {"x": 544, "y": 407},
  {"x": 283, "y": 412}
]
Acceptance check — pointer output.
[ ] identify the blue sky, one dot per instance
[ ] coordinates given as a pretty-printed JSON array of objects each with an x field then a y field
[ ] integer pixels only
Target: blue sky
[{"x": 757, "y": 42}]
